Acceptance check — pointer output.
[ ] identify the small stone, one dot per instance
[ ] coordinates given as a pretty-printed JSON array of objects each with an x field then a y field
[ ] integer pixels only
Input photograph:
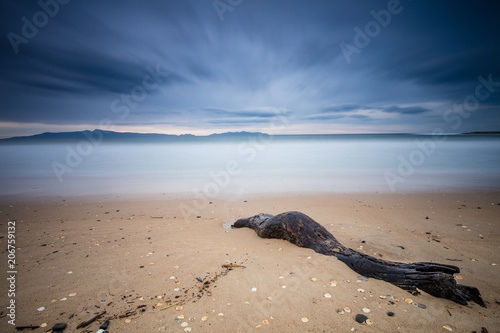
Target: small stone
[
  {"x": 104, "y": 325},
  {"x": 361, "y": 318},
  {"x": 422, "y": 306},
  {"x": 43, "y": 325},
  {"x": 59, "y": 326},
  {"x": 390, "y": 314},
  {"x": 41, "y": 308}
]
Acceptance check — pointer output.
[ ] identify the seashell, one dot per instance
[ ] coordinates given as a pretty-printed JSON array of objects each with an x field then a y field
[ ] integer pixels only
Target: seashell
[
  {"x": 63, "y": 299},
  {"x": 366, "y": 310},
  {"x": 158, "y": 305},
  {"x": 340, "y": 311},
  {"x": 204, "y": 318},
  {"x": 314, "y": 279},
  {"x": 327, "y": 295},
  {"x": 305, "y": 320},
  {"x": 383, "y": 297},
  {"x": 72, "y": 294},
  {"x": 269, "y": 298},
  {"x": 448, "y": 327},
  {"x": 258, "y": 326},
  {"x": 347, "y": 309},
  {"x": 265, "y": 321},
  {"x": 284, "y": 287},
  {"x": 184, "y": 324},
  {"x": 128, "y": 320},
  {"x": 180, "y": 317},
  {"x": 369, "y": 322},
  {"x": 361, "y": 290},
  {"x": 172, "y": 278},
  {"x": 41, "y": 308},
  {"x": 54, "y": 300},
  {"x": 221, "y": 314},
  {"x": 179, "y": 308},
  {"x": 333, "y": 283},
  {"x": 187, "y": 329},
  {"x": 408, "y": 300},
  {"x": 254, "y": 289},
  {"x": 43, "y": 325},
  {"x": 459, "y": 277}
]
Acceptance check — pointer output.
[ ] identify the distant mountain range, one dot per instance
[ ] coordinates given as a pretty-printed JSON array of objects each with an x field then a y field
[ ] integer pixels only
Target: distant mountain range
[{"x": 100, "y": 135}]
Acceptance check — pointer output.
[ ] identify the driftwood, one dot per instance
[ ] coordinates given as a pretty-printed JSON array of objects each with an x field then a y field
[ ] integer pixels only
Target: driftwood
[
  {"x": 301, "y": 230},
  {"x": 91, "y": 320}
]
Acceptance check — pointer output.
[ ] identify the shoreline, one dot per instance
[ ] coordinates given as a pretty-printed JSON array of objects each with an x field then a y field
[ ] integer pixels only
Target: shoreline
[{"x": 125, "y": 251}]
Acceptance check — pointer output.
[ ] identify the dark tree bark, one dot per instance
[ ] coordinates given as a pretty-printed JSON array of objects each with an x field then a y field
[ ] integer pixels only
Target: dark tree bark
[{"x": 301, "y": 230}]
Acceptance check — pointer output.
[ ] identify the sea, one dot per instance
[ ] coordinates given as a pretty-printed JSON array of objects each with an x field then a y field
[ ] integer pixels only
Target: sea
[{"x": 237, "y": 166}]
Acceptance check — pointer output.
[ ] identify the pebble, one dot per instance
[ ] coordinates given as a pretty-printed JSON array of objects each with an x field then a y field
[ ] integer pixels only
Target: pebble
[
  {"x": 390, "y": 314},
  {"x": 43, "y": 325},
  {"x": 100, "y": 331},
  {"x": 59, "y": 326},
  {"x": 41, "y": 308},
  {"x": 104, "y": 325},
  {"x": 361, "y": 318}
]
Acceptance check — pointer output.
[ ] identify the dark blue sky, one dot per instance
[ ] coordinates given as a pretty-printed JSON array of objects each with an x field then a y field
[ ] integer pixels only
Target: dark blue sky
[{"x": 204, "y": 66}]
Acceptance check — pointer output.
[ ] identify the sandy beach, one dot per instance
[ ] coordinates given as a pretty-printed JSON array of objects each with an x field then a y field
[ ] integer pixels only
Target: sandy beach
[{"x": 152, "y": 269}]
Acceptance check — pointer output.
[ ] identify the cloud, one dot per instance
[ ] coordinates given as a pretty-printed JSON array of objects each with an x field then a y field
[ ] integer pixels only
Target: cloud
[{"x": 92, "y": 52}]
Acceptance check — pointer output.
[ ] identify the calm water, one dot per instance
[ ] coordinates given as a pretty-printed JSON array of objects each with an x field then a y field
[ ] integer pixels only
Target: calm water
[{"x": 235, "y": 166}]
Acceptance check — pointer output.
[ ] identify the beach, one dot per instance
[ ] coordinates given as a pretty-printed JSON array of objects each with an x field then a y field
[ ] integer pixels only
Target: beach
[{"x": 152, "y": 268}]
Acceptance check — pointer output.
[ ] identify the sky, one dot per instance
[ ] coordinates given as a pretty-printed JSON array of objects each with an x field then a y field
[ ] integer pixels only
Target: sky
[{"x": 274, "y": 66}]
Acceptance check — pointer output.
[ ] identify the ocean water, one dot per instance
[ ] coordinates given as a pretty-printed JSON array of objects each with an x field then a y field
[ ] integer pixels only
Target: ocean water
[{"x": 210, "y": 167}]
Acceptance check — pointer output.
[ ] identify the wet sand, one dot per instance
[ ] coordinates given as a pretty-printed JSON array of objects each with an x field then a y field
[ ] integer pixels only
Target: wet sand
[{"x": 120, "y": 253}]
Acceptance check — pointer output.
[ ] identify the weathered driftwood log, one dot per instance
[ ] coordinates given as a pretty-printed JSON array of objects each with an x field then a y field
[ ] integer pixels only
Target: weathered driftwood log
[{"x": 301, "y": 230}]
